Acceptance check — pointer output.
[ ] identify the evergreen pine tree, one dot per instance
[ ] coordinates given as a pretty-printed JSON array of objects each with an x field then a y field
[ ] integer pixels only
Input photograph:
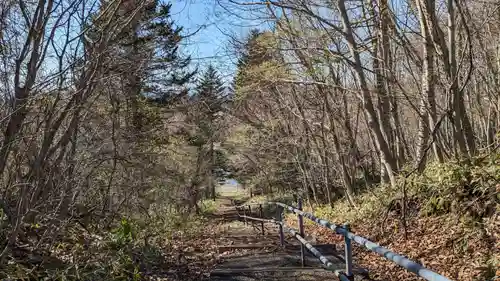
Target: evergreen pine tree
[
  {"x": 211, "y": 93},
  {"x": 148, "y": 61},
  {"x": 209, "y": 100},
  {"x": 151, "y": 49},
  {"x": 167, "y": 71}
]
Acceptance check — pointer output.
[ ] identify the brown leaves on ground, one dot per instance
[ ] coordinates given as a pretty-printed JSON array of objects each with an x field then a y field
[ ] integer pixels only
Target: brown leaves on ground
[
  {"x": 195, "y": 256},
  {"x": 456, "y": 248},
  {"x": 85, "y": 256}
]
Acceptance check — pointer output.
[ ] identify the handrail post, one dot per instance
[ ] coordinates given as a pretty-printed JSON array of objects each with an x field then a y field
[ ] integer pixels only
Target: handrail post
[
  {"x": 261, "y": 214},
  {"x": 244, "y": 215},
  {"x": 301, "y": 230},
  {"x": 279, "y": 218},
  {"x": 348, "y": 253},
  {"x": 250, "y": 221}
]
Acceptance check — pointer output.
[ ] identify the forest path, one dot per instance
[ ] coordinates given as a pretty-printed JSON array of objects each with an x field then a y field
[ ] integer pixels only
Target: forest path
[{"x": 248, "y": 255}]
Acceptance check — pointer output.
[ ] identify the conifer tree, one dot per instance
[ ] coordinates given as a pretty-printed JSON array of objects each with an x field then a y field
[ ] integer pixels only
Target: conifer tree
[
  {"x": 210, "y": 99},
  {"x": 149, "y": 62}
]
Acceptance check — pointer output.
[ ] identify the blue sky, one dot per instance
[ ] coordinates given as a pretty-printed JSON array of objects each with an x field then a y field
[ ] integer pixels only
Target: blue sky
[{"x": 216, "y": 25}]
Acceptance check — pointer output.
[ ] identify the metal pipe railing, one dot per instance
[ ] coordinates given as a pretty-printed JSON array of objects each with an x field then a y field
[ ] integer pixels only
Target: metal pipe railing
[
  {"x": 400, "y": 260},
  {"x": 374, "y": 247},
  {"x": 316, "y": 253},
  {"x": 303, "y": 243}
]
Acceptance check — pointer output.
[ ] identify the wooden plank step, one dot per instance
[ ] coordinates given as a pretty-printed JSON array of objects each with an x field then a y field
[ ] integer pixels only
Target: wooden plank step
[
  {"x": 261, "y": 237},
  {"x": 244, "y": 246},
  {"x": 233, "y": 270}
]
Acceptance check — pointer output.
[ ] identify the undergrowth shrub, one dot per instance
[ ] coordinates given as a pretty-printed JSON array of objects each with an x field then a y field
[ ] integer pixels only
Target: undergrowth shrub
[
  {"x": 124, "y": 233},
  {"x": 368, "y": 205},
  {"x": 208, "y": 206},
  {"x": 462, "y": 187},
  {"x": 127, "y": 251}
]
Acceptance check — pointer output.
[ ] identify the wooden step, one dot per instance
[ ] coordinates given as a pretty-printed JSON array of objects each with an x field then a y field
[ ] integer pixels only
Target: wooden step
[
  {"x": 257, "y": 237},
  {"x": 244, "y": 247},
  {"x": 234, "y": 270}
]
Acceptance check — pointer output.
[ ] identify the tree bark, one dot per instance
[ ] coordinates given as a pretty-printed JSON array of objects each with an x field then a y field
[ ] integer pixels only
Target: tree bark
[{"x": 373, "y": 122}]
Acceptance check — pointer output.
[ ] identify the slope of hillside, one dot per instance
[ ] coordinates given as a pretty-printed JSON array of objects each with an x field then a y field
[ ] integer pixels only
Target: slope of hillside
[{"x": 451, "y": 223}]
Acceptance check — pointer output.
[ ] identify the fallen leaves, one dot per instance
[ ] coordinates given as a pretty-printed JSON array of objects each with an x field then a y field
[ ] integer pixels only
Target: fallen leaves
[{"x": 445, "y": 244}]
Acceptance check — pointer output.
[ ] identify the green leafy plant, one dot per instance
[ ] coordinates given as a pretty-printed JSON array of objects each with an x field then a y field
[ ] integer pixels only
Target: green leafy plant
[
  {"x": 124, "y": 234},
  {"x": 436, "y": 205}
]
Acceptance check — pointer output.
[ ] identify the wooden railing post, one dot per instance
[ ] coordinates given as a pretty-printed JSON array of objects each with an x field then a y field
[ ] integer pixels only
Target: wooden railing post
[
  {"x": 301, "y": 230},
  {"x": 244, "y": 215},
  {"x": 348, "y": 253},
  {"x": 261, "y": 214},
  {"x": 279, "y": 218},
  {"x": 250, "y": 214}
]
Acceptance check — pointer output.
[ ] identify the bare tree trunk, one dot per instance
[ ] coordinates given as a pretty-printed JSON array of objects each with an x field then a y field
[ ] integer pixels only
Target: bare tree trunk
[
  {"x": 427, "y": 97},
  {"x": 346, "y": 179},
  {"x": 455, "y": 100},
  {"x": 370, "y": 114}
]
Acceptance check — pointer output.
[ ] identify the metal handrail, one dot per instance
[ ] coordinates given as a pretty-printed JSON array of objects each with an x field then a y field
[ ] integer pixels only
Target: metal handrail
[
  {"x": 317, "y": 254},
  {"x": 327, "y": 264},
  {"x": 400, "y": 260}
]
